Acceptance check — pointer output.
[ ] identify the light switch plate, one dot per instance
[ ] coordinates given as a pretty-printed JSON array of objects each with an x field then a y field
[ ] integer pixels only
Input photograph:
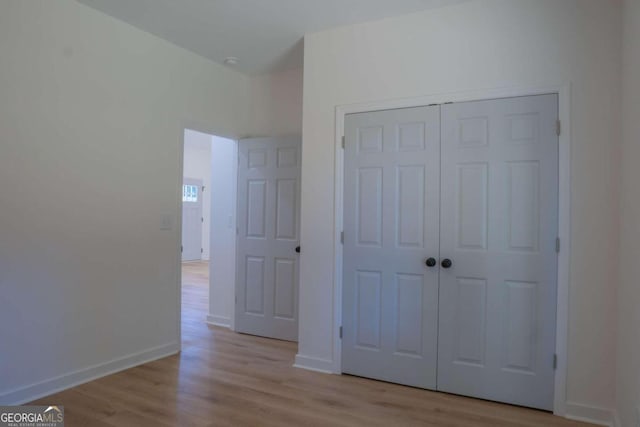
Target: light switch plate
[{"x": 166, "y": 221}]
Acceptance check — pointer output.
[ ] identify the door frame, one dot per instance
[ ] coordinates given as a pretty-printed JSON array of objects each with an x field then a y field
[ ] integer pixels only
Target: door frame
[
  {"x": 564, "y": 208},
  {"x": 213, "y": 131}
]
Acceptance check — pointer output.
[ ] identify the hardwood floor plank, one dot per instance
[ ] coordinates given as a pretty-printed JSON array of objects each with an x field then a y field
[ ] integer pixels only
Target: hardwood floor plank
[{"x": 226, "y": 379}]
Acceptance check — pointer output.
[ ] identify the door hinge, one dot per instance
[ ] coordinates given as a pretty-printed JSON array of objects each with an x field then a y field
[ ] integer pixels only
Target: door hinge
[
  {"x": 203, "y": 188},
  {"x": 342, "y": 237},
  {"x": 340, "y": 332},
  {"x": 558, "y": 127},
  {"x": 202, "y": 219},
  {"x": 557, "y": 245},
  {"x": 343, "y": 142},
  {"x": 181, "y": 249},
  {"x": 201, "y": 250},
  {"x": 555, "y": 361}
]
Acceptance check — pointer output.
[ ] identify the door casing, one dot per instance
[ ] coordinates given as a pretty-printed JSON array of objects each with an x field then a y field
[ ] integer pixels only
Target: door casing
[
  {"x": 564, "y": 209},
  {"x": 176, "y": 213}
]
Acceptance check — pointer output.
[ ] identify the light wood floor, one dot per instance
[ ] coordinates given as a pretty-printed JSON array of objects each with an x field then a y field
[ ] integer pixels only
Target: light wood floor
[{"x": 225, "y": 379}]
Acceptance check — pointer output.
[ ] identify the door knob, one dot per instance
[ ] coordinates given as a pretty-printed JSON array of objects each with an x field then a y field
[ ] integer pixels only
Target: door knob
[
  {"x": 430, "y": 262},
  {"x": 446, "y": 263}
]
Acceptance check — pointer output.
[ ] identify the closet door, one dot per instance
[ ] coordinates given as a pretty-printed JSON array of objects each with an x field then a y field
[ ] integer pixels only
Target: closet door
[
  {"x": 391, "y": 217},
  {"x": 499, "y": 216}
]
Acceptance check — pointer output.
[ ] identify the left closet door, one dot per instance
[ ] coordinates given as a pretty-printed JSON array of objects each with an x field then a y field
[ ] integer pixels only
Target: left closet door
[{"x": 391, "y": 230}]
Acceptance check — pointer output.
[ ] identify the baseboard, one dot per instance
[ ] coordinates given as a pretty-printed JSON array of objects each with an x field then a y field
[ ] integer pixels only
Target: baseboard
[
  {"x": 219, "y": 321},
  {"x": 592, "y": 414},
  {"x": 45, "y": 388},
  {"x": 314, "y": 364},
  {"x": 616, "y": 419}
]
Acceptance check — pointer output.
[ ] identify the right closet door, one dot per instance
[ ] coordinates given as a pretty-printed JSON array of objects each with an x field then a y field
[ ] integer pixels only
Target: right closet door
[{"x": 498, "y": 261}]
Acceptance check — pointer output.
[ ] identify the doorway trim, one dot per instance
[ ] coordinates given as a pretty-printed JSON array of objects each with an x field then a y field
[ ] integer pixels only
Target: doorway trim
[
  {"x": 198, "y": 127},
  {"x": 564, "y": 208}
]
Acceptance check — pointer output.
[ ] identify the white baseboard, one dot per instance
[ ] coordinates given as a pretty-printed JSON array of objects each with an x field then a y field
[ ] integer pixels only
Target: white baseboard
[
  {"x": 314, "y": 364},
  {"x": 592, "y": 414},
  {"x": 41, "y": 389},
  {"x": 616, "y": 419},
  {"x": 219, "y": 321}
]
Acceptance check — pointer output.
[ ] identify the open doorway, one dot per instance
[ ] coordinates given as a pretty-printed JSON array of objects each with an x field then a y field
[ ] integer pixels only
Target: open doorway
[
  {"x": 259, "y": 180},
  {"x": 208, "y": 228},
  {"x": 196, "y": 212}
]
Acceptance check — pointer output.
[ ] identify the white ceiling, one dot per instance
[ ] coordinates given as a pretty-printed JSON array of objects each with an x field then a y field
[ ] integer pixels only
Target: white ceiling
[{"x": 266, "y": 35}]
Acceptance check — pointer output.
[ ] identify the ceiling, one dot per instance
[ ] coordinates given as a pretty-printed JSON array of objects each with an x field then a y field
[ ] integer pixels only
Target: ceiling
[{"x": 265, "y": 35}]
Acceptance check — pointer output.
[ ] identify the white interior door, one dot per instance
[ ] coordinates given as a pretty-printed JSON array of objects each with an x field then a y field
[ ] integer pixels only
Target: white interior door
[
  {"x": 191, "y": 219},
  {"x": 268, "y": 234},
  {"x": 499, "y": 219},
  {"x": 391, "y": 220}
]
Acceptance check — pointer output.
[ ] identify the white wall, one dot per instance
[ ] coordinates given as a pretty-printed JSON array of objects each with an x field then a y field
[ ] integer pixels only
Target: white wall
[
  {"x": 477, "y": 45},
  {"x": 197, "y": 164},
  {"x": 91, "y": 117},
  {"x": 276, "y": 104},
  {"x": 223, "y": 231},
  {"x": 628, "y": 390}
]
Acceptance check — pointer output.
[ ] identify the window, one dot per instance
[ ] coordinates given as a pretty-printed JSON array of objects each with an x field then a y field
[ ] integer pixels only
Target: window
[{"x": 190, "y": 193}]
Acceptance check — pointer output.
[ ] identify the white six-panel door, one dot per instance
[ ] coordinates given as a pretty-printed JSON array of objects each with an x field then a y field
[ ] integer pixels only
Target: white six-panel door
[
  {"x": 268, "y": 234},
  {"x": 480, "y": 196},
  {"x": 499, "y": 226},
  {"x": 391, "y": 219}
]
